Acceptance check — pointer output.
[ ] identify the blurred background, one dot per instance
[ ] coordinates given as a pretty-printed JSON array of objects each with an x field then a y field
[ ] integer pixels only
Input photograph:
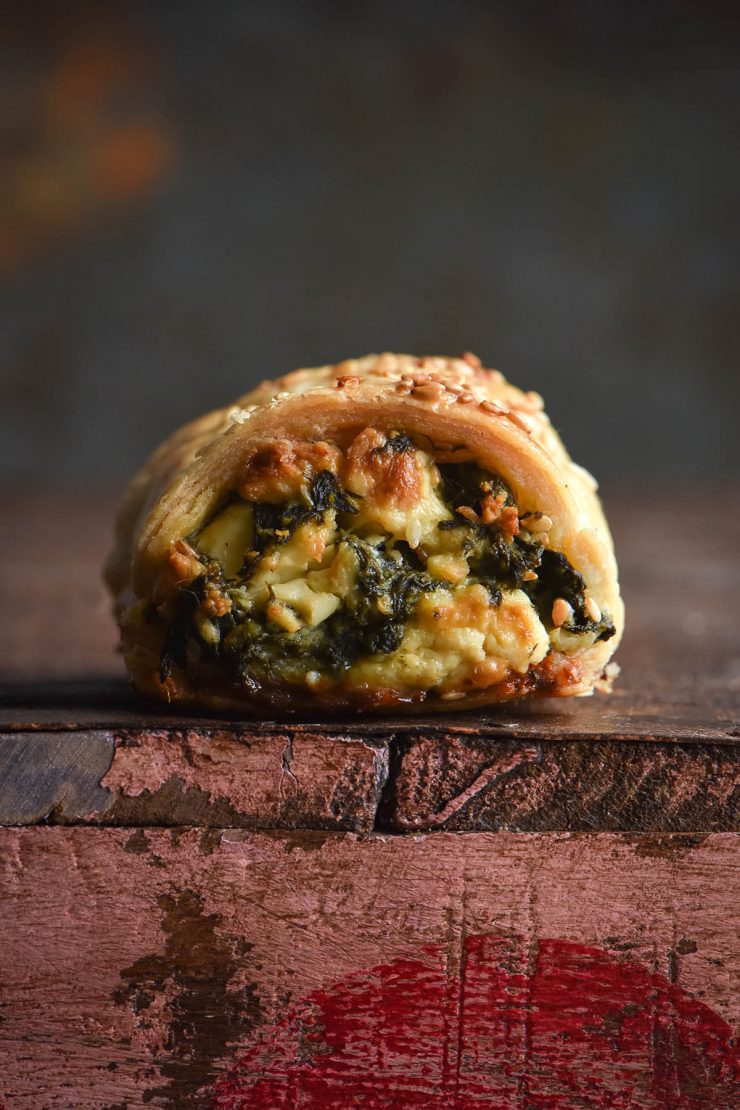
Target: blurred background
[{"x": 197, "y": 196}]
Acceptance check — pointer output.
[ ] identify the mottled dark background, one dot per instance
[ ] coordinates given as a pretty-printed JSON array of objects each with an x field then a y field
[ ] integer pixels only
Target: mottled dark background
[{"x": 195, "y": 196}]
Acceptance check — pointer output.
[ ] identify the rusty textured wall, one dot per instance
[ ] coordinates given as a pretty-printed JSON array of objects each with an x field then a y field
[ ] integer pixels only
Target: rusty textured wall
[{"x": 195, "y": 196}]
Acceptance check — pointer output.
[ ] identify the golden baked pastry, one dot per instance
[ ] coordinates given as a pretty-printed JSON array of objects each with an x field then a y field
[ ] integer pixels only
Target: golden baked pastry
[{"x": 388, "y": 533}]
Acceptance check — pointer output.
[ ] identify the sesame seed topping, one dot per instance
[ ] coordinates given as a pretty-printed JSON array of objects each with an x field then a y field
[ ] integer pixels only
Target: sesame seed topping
[
  {"x": 561, "y": 610},
  {"x": 347, "y": 379},
  {"x": 453, "y": 387},
  {"x": 472, "y": 360},
  {"x": 491, "y": 406},
  {"x": 529, "y": 576},
  {"x": 413, "y": 533},
  {"x": 519, "y": 421},
  {"x": 429, "y": 391},
  {"x": 465, "y": 398}
]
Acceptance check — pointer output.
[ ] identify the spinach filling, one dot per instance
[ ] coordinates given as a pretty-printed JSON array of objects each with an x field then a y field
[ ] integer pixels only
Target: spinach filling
[
  {"x": 388, "y": 582},
  {"x": 371, "y": 621},
  {"x": 276, "y": 523},
  {"x": 497, "y": 562}
]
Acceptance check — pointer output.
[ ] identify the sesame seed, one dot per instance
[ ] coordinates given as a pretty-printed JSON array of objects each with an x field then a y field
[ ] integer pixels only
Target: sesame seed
[
  {"x": 413, "y": 533},
  {"x": 491, "y": 406},
  {"x": 561, "y": 610},
  {"x": 592, "y": 610},
  {"x": 281, "y": 396},
  {"x": 347, "y": 379},
  {"x": 529, "y": 576},
  {"x": 465, "y": 398},
  {"x": 453, "y": 387},
  {"x": 472, "y": 360},
  {"x": 429, "y": 391},
  {"x": 519, "y": 421}
]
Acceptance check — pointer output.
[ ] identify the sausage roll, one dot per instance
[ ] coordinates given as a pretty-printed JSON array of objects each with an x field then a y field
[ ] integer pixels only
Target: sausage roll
[{"x": 388, "y": 533}]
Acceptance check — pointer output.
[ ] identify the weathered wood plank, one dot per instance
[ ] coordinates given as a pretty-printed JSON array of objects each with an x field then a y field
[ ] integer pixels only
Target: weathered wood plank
[
  {"x": 327, "y": 971},
  {"x": 467, "y": 783},
  {"x": 286, "y": 779},
  {"x": 304, "y": 779}
]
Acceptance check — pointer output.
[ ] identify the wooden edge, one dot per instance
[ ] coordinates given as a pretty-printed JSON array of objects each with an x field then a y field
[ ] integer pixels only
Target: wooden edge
[
  {"x": 283, "y": 780},
  {"x": 402, "y": 783}
]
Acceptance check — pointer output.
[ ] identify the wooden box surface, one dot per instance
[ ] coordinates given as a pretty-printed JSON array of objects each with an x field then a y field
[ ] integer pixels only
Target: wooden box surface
[{"x": 530, "y": 908}]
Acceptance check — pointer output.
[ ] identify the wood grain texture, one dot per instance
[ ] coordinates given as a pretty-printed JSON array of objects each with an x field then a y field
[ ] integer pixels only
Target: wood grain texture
[
  {"x": 182, "y": 968},
  {"x": 407, "y": 781},
  {"x": 467, "y": 783},
  {"x": 174, "y": 777}
]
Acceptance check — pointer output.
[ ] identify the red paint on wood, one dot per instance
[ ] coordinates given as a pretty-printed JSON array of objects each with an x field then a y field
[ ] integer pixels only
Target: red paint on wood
[
  {"x": 135, "y": 966},
  {"x": 557, "y": 1025}
]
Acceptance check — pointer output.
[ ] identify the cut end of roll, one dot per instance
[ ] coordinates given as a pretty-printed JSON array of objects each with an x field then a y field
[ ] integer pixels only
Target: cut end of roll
[{"x": 389, "y": 533}]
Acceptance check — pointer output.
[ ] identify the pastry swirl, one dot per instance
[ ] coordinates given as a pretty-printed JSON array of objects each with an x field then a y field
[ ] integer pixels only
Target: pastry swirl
[{"x": 388, "y": 533}]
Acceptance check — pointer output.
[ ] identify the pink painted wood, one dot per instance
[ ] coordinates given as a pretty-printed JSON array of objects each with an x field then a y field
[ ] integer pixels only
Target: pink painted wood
[{"x": 184, "y": 968}]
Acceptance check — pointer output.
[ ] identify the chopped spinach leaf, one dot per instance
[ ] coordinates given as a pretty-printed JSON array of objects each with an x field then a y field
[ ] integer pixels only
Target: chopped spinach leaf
[
  {"x": 557, "y": 577},
  {"x": 326, "y": 493}
]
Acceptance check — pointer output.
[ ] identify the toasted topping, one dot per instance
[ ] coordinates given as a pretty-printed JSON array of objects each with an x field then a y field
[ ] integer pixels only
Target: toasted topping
[
  {"x": 429, "y": 391},
  {"x": 491, "y": 406}
]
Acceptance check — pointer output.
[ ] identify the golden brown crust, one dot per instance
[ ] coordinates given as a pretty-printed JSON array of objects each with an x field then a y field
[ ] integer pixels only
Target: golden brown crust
[{"x": 258, "y": 446}]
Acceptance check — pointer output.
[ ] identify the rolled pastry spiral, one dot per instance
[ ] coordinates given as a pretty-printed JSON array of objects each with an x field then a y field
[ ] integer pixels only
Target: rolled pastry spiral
[{"x": 389, "y": 533}]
